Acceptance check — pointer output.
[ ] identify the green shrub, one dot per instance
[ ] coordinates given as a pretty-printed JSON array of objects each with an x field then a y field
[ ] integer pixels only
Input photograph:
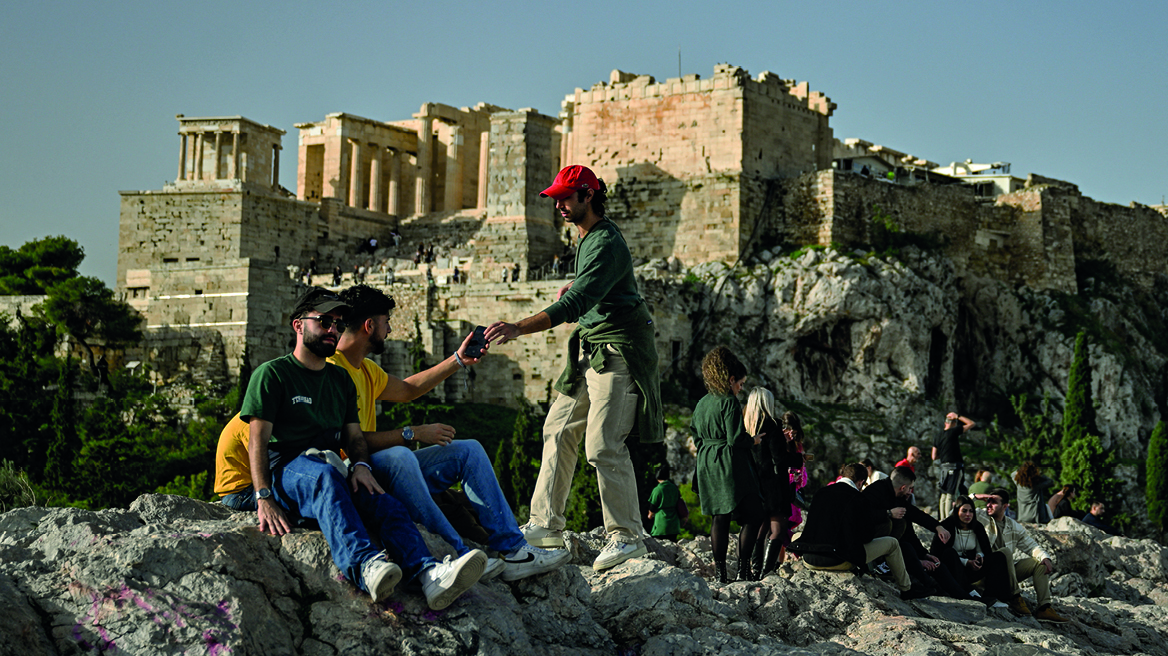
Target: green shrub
[{"x": 15, "y": 489}]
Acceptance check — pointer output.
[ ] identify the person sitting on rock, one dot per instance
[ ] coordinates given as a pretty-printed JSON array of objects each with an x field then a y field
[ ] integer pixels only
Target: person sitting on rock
[
  {"x": 1095, "y": 519},
  {"x": 1009, "y": 537},
  {"x": 980, "y": 490},
  {"x": 873, "y": 473},
  {"x": 725, "y": 475},
  {"x": 840, "y": 533},
  {"x": 1059, "y": 503},
  {"x": 413, "y": 476},
  {"x": 300, "y": 412},
  {"x": 1032, "y": 487},
  {"x": 893, "y": 496},
  {"x": 969, "y": 556}
]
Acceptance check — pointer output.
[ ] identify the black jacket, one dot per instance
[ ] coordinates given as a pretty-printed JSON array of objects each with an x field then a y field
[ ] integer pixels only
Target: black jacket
[{"x": 840, "y": 516}]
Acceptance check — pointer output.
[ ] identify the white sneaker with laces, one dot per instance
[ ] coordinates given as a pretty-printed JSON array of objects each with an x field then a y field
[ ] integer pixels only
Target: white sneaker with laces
[
  {"x": 617, "y": 552},
  {"x": 494, "y": 568},
  {"x": 380, "y": 576},
  {"x": 446, "y": 581},
  {"x": 538, "y": 536},
  {"x": 529, "y": 561}
]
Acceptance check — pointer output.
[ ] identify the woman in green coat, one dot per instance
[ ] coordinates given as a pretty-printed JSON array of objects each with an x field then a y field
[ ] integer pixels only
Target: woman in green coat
[{"x": 726, "y": 480}]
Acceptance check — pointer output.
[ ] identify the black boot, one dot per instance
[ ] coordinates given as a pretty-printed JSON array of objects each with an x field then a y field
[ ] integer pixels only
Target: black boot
[
  {"x": 774, "y": 549},
  {"x": 720, "y": 566},
  {"x": 756, "y": 563},
  {"x": 744, "y": 573}
]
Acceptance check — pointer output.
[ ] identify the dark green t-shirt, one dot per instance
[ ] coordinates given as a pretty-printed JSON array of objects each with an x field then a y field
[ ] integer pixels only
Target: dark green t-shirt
[
  {"x": 604, "y": 282},
  {"x": 307, "y": 408}
]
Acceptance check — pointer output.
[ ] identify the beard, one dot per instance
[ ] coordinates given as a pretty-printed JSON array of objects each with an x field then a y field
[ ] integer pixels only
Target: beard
[
  {"x": 577, "y": 215},
  {"x": 377, "y": 344},
  {"x": 318, "y": 346}
]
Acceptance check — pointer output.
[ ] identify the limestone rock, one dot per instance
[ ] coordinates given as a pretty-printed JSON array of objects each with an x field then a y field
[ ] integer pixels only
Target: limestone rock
[{"x": 176, "y": 576}]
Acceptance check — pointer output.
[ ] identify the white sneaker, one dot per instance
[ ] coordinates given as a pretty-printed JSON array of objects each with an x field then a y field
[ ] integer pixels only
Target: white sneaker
[
  {"x": 529, "y": 561},
  {"x": 446, "y": 581},
  {"x": 380, "y": 576},
  {"x": 538, "y": 536},
  {"x": 617, "y": 552},
  {"x": 494, "y": 568}
]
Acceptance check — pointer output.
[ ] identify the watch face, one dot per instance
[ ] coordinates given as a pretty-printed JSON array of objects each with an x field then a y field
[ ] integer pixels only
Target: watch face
[
  {"x": 265, "y": 493},
  {"x": 408, "y": 434}
]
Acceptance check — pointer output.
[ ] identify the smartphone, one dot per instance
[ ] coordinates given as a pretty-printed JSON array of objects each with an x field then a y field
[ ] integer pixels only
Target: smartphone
[{"x": 477, "y": 342}]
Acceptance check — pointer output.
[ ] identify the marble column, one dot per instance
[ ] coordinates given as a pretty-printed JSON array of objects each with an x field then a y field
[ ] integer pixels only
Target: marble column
[
  {"x": 218, "y": 153},
  {"x": 182, "y": 157},
  {"x": 484, "y": 167},
  {"x": 276, "y": 148},
  {"x": 355, "y": 174},
  {"x": 375, "y": 178},
  {"x": 453, "y": 197},
  {"x": 233, "y": 171},
  {"x": 393, "y": 199},
  {"x": 199, "y": 156},
  {"x": 422, "y": 186}
]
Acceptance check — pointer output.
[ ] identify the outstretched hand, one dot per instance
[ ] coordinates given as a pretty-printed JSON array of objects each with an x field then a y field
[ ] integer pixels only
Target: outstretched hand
[{"x": 501, "y": 332}]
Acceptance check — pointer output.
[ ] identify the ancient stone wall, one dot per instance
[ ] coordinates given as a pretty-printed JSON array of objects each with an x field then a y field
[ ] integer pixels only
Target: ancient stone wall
[
  {"x": 520, "y": 225},
  {"x": 1134, "y": 238}
]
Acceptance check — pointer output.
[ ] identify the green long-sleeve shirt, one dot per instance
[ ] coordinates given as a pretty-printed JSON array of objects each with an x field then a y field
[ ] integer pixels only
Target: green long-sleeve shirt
[{"x": 604, "y": 282}]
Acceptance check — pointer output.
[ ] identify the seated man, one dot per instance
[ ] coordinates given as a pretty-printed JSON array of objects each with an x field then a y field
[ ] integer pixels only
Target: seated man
[
  {"x": 1008, "y": 536},
  {"x": 893, "y": 496},
  {"x": 298, "y": 408},
  {"x": 840, "y": 532},
  {"x": 413, "y": 476},
  {"x": 1095, "y": 519}
]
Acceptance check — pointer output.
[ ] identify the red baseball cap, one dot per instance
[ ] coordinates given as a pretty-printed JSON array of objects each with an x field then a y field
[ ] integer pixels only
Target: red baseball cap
[{"x": 570, "y": 179}]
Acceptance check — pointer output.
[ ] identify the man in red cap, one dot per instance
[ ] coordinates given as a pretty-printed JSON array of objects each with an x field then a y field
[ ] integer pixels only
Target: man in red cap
[{"x": 608, "y": 393}]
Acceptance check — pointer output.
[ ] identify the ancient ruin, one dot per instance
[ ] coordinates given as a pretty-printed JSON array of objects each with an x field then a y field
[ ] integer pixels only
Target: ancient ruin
[{"x": 700, "y": 170}]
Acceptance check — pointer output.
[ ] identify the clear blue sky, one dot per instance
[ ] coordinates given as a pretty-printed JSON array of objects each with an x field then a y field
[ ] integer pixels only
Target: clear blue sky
[{"x": 89, "y": 90}]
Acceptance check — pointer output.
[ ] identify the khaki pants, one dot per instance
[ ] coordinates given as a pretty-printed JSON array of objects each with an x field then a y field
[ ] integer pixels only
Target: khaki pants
[
  {"x": 887, "y": 547},
  {"x": 1024, "y": 569},
  {"x": 602, "y": 411}
]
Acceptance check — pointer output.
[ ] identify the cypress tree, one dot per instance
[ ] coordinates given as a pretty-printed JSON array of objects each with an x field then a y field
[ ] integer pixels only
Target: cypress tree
[
  {"x": 1157, "y": 476},
  {"x": 525, "y": 454},
  {"x": 1083, "y": 459}
]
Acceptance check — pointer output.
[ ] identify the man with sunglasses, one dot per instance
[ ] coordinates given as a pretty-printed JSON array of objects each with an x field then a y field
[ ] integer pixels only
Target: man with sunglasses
[
  {"x": 299, "y": 409},
  {"x": 1009, "y": 537}
]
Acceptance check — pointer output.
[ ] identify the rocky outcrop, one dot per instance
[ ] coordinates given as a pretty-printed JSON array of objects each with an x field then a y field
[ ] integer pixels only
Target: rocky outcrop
[
  {"x": 176, "y": 576},
  {"x": 878, "y": 348}
]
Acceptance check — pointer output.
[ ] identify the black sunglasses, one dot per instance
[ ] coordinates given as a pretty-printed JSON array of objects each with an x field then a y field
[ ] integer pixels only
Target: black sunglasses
[{"x": 328, "y": 321}]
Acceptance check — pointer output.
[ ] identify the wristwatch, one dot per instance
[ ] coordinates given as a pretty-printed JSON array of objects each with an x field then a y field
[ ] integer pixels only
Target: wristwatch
[
  {"x": 408, "y": 434},
  {"x": 265, "y": 493}
]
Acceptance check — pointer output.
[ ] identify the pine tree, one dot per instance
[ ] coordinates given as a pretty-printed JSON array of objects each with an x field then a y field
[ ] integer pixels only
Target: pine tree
[
  {"x": 1157, "y": 475},
  {"x": 525, "y": 453},
  {"x": 502, "y": 467},
  {"x": 62, "y": 453}
]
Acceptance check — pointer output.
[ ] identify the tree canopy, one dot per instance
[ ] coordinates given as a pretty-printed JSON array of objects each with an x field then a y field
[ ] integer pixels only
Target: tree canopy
[{"x": 38, "y": 265}]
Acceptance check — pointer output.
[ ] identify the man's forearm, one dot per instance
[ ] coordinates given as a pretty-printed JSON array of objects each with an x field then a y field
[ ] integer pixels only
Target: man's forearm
[
  {"x": 534, "y": 324},
  {"x": 380, "y": 440},
  {"x": 424, "y": 381}
]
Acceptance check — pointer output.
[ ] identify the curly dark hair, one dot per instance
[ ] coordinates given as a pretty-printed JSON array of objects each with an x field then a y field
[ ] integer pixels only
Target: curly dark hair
[
  {"x": 791, "y": 420},
  {"x": 366, "y": 302},
  {"x": 719, "y": 368},
  {"x": 1027, "y": 474},
  {"x": 599, "y": 198}
]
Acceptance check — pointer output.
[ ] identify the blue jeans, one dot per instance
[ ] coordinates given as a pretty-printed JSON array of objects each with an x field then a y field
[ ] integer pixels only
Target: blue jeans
[
  {"x": 413, "y": 476},
  {"x": 241, "y": 500},
  {"x": 312, "y": 488}
]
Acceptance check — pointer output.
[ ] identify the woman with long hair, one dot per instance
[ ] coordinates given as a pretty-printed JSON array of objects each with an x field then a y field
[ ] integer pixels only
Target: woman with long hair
[
  {"x": 968, "y": 555},
  {"x": 793, "y": 431},
  {"x": 774, "y": 457},
  {"x": 725, "y": 475},
  {"x": 1032, "y": 494}
]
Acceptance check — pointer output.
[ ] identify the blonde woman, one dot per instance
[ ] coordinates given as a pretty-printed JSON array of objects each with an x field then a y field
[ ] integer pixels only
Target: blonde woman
[{"x": 774, "y": 455}]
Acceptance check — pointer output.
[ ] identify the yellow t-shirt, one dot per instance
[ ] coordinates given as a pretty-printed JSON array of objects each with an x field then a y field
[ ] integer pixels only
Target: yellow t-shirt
[
  {"x": 370, "y": 380},
  {"x": 232, "y": 467}
]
